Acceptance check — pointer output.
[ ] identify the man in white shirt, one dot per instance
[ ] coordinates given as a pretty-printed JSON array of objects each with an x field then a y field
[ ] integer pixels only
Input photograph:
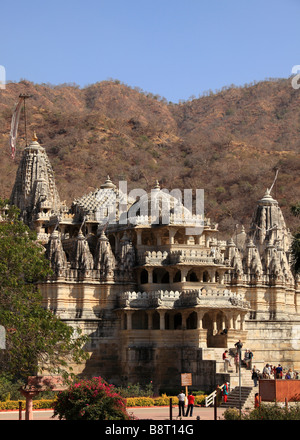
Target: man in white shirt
[{"x": 181, "y": 402}]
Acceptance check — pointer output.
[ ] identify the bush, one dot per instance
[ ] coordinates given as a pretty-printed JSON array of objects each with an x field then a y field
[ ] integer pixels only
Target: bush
[
  {"x": 140, "y": 401},
  {"x": 9, "y": 388},
  {"x": 90, "y": 400},
  {"x": 135, "y": 390},
  {"x": 37, "y": 404},
  {"x": 231, "y": 414},
  {"x": 274, "y": 412}
]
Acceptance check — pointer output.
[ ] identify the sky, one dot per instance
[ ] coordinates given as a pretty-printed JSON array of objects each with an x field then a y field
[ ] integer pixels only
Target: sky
[{"x": 173, "y": 48}]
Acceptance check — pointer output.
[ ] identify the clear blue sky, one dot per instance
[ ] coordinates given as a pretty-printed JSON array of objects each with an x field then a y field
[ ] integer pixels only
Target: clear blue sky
[{"x": 173, "y": 48}]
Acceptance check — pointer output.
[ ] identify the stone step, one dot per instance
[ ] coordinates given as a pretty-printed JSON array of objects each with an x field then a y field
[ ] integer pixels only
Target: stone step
[{"x": 247, "y": 398}]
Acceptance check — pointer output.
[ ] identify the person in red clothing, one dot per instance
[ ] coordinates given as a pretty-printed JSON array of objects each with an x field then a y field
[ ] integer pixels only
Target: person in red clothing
[
  {"x": 257, "y": 400},
  {"x": 225, "y": 392},
  {"x": 191, "y": 401}
]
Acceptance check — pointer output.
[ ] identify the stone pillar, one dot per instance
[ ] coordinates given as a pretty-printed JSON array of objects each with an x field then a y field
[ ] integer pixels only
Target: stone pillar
[
  {"x": 184, "y": 272},
  {"x": 242, "y": 321},
  {"x": 29, "y": 403},
  {"x": 150, "y": 274},
  {"x": 161, "y": 319},
  {"x": 129, "y": 319},
  {"x": 150, "y": 319},
  {"x": 172, "y": 233},
  {"x": 214, "y": 320},
  {"x": 138, "y": 237},
  {"x": 212, "y": 275},
  {"x": 200, "y": 315}
]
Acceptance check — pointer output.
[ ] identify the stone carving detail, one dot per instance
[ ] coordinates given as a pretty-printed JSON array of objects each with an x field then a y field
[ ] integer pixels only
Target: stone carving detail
[
  {"x": 55, "y": 253},
  {"x": 83, "y": 257},
  {"x": 104, "y": 258}
]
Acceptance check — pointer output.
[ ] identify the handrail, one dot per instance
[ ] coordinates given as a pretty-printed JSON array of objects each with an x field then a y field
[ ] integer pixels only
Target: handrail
[{"x": 210, "y": 399}]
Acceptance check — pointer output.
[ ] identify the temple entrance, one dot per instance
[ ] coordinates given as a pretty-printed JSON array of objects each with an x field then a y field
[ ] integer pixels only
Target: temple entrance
[{"x": 214, "y": 323}]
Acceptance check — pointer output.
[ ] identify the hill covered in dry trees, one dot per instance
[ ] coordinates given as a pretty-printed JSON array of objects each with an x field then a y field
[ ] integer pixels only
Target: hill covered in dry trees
[{"x": 230, "y": 142}]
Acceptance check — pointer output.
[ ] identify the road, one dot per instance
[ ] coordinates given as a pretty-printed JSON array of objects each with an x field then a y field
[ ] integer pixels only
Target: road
[{"x": 153, "y": 413}]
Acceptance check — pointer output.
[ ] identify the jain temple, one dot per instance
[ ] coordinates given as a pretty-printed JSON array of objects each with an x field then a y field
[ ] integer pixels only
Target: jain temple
[{"x": 153, "y": 297}]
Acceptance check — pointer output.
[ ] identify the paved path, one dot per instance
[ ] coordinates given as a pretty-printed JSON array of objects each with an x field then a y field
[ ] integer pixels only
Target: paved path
[{"x": 152, "y": 413}]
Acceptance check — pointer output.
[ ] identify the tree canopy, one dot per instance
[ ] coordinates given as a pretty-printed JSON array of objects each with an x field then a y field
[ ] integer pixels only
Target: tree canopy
[{"x": 36, "y": 339}]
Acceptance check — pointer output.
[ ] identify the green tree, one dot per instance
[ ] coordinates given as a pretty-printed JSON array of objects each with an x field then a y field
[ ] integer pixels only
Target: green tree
[{"x": 36, "y": 340}]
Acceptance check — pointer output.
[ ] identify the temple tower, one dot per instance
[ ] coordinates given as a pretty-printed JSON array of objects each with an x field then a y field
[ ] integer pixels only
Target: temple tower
[{"x": 34, "y": 191}]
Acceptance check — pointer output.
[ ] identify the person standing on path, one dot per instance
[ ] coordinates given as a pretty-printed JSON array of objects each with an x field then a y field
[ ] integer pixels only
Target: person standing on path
[
  {"x": 237, "y": 362},
  {"x": 191, "y": 401},
  {"x": 225, "y": 392},
  {"x": 255, "y": 375},
  {"x": 181, "y": 401},
  {"x": 226, "y": 360}
]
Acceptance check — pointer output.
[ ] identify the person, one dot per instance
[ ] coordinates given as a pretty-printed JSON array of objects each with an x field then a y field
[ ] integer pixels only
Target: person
[
  {"x": 266, "y": 372},
  {"x": 255, "y": 375},
  {"x": 279, "y": 372},
  {"x": 219, "y": 395},
  {"x": 289, "y": 374},
  {"x": 239, "y": 346},
  {"x": 191, "y": 401},
  {"x": 225, "y": 392},
  {"x": 181, "y": 402},
  {"x": 246, "y": 359},
  {"x": 226, "y": 360},
  {"x": 256, "y": 400},
  {"x": 237, "y": 362},
  {"x": 249, "y": 365}
]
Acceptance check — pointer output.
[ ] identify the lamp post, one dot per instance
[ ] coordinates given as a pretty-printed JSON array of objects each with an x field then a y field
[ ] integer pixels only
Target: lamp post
[{"x": 240, "y": 390}]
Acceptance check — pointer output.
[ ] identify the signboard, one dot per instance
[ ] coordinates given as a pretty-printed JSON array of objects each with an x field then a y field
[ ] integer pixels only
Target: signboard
[{"x": 186, "y": 379}]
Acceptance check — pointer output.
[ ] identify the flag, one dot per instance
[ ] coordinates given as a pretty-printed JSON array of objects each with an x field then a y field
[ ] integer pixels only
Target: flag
[{"x": 14, "y": 128}]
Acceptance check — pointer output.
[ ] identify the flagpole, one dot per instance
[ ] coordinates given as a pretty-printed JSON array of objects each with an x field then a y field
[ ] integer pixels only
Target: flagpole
[{"x": 24, "y": 96}]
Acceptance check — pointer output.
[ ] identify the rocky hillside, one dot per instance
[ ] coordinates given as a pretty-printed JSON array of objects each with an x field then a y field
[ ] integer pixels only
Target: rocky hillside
[{"x": 228, "y": 143}]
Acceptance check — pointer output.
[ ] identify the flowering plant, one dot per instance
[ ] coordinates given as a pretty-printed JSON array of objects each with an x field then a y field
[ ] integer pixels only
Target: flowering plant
[{"x": 90, "y": 400}]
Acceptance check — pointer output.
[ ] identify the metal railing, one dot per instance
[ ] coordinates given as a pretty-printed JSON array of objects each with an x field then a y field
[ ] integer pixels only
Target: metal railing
[{"x": 210, "y": 399}]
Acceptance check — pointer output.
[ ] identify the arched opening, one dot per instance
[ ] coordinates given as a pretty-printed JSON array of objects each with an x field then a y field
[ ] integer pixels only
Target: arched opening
[
  {"x": 161, "y": 275},
  {"x": 191, "y": 322},
  {"x": 206, "y": 277},
  {"x": 148, "y": 238},
  {"x": 144, "y": 276},
  {"x": 139, "y": 320},
  {"x": 177, "y": 277},
  {"x": 178, "y": 321},
  {"x": 192, "y": 277},
  {"x": 165, "y": 278},
  {"x": 179, "y": 238},
  {"x": 156, "y": 321},
  {"x": 165, "y": 238}
]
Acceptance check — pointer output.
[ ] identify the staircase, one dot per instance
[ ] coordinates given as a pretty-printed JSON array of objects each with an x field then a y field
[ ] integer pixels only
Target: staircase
[
  {"x": 247, "y": 389},
  {"x": 247, "y": 398}
]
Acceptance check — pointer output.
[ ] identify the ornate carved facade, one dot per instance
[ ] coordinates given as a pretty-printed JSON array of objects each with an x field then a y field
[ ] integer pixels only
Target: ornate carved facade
[{"x": 154, "y": 300}]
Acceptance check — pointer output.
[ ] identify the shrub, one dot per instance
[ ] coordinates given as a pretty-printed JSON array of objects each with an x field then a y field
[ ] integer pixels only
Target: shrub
[
  {"x": 140, "y": 401},
  {"x": 37, "y": 404},
  {"x": 90, "y": 400},
  {"x": 135, "y": 390},
  {"x": 274, "y": 412},
  {"x": 231, "y": 414}
]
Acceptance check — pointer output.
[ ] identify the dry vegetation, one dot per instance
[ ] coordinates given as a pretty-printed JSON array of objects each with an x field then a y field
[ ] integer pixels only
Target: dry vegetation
[{"x": 228, "y": 142}]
